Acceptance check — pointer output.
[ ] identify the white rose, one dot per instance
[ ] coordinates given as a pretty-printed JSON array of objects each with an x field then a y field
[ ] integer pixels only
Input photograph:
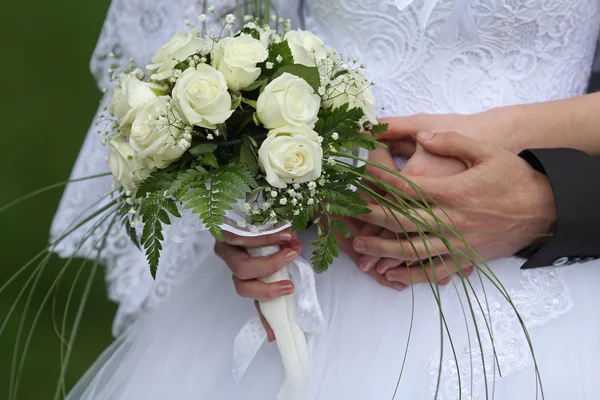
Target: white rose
[
  {"x": 357, "y": 94},
  {"x": 130, "y": 94},
  {"x": 127, "y": 169},
  {"x": 155, "y": 139},
  {"x": 307, "y": 48},
  {"x": 291, "y": 154},
  {"x": 288, "y": 100},
  {"x": 236, "y": 58},
  {"x": 176, "y": 50},
  {"x": 202, "y": 97}
]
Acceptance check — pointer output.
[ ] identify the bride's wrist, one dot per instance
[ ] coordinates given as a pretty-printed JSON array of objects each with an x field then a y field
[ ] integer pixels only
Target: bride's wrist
[{"x": 510, "y": 127}]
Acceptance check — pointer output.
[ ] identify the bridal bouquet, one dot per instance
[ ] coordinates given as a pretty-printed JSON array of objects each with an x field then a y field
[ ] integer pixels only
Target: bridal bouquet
[
  {"x": 258, "y": 120},
  {"x": 252, "y": 131}
]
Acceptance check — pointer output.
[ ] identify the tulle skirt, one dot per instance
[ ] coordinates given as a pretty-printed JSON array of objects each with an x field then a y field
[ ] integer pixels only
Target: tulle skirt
[{"x": 183, "y": 348}]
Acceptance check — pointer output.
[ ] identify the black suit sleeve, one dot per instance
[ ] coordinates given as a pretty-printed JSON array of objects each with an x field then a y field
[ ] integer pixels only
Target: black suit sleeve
[{"x": 575, "y": 180}]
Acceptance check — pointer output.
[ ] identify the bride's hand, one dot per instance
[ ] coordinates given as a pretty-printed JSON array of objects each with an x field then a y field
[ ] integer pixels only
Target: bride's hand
[{"x": 247, "y": 270}]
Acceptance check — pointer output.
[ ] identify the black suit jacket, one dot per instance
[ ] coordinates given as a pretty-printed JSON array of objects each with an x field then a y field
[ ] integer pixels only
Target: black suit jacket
[{"x": 575, "y": 180}]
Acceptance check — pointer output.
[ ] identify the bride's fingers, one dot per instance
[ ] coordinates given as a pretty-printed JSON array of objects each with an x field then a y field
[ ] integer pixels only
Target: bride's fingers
[
  {"x": 265, "y": 324},
  {"x": 259, "y": 290},
  {"x": 422, "y": 273},
  {"x": 383, "y": 281},
  {"x": 247, "y": 267},
  {"x": 403, "y": 148},
  {"x": 346, "y": 246},
  {"x": 386, "y": 264},
  {"x": 259, "y": 241},
  {"x": 443, "y": 267}
]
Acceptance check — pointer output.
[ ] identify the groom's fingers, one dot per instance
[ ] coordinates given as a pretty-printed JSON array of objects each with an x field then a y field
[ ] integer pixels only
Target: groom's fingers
[
  {"x": 401, "y": 249},
  {"x": 247, "y": 267},
  {"x": 453, "y": 144},
  {"x": 420, "y": 220},
  {"x": 368, "y": 262}
]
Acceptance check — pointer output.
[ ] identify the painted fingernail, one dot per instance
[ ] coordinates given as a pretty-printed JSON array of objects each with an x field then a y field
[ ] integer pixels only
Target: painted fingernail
[
  {"x": 399, "y": 286},
  {"x": 290, "y": 256},
  {"x": 425, "y": 136},
  {"x": 359, "y": 245},
  {"x": 286, "y": 290},
  {"x": 285, "y": 236},
  {"x": 365, "y": 265}
]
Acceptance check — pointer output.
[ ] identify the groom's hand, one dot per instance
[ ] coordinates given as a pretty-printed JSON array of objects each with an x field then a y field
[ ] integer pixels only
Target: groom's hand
[{"x": 499, "y": 205}]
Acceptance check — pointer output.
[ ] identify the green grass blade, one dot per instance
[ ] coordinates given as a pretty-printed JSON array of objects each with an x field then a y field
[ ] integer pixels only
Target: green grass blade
[{"x": 47, "y": 189}]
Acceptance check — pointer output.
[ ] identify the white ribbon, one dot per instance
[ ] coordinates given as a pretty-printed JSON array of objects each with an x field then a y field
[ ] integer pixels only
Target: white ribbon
[
  {"x": 461, "y": 19},
  {"x": 290, "y": 317}
]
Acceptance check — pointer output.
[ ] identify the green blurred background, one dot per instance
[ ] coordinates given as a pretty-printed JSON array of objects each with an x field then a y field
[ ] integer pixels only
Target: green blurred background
[{"x": 49, "y": 99}]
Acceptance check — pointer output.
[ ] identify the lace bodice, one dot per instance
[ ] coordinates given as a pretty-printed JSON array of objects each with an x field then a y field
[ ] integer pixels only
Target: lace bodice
[{"x": 525, "y": 51}]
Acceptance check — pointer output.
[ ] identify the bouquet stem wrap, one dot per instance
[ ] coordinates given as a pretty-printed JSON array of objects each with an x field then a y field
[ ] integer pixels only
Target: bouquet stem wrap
[{"x": 291, "y": 318}]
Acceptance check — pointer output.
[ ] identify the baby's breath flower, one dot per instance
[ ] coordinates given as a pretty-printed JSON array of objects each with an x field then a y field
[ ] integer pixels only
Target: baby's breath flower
[
  {"x": 186, "y": 22},
  {"x": 230, "y": 19},
  {"x": 292, "y": 192},
  {"x": 269, "y": 65},
  {"x": 335, "y": 136},
  {"x": 246, "y": 207},
  {"x": 320, "y": 139},
  {"x": 211, "y": 9},
  {"x": 331, "y": 161},
  {"x": 266, "y": 205},
  {"x": 310, "y": 202},
  {"x": 279, "y": 58},
  {"x": 272, "y": 214},
  {"x": 312, "y": 185},
  {"x": 210, "y": 136},
  {"x": 283, "y": 201},
  {"x": 296, "y": 212},
  {"x": 248, "y": 18},
  {"x": 202, "y": 18},
  {"x": 273, "y": 193},
  {"x": 322, "y": 181},
  {"x": 296, "y": 186},
  {"x": 294, "y": 202}
]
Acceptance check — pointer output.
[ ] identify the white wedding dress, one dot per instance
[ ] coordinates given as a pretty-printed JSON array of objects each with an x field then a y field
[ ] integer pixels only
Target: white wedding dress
[{"x": 175, "y": 335}]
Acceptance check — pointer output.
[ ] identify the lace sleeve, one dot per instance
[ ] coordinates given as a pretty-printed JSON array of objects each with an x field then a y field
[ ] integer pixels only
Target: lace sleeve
[{"x": 133, "y": 29}]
